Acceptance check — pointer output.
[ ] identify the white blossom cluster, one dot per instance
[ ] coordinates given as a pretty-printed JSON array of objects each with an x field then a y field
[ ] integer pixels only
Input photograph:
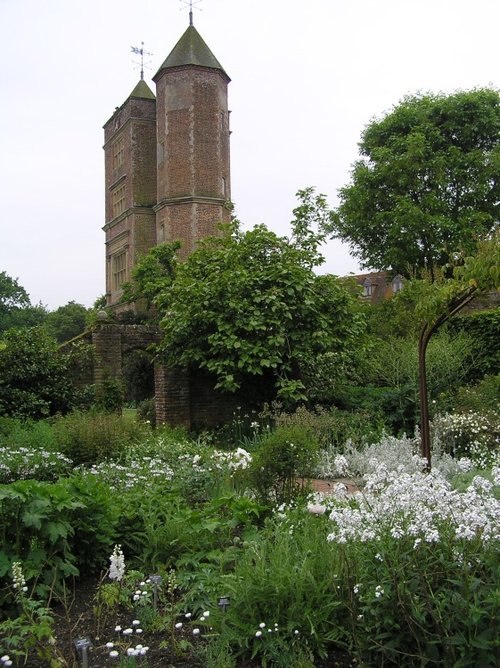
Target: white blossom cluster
[
  {"x": 474, "y": 435},
  {"x": 394, "y": 454},
  {"x": 218, "y": 460},
  {"x": 417, "y": 505},
  {"x": 20, "y": 463},
  {"x": 238, "y": 459},
  {"x": 117, "y": 564},
  {"x": 18, "y": 580},
  {"x": 135, "y": 473}
]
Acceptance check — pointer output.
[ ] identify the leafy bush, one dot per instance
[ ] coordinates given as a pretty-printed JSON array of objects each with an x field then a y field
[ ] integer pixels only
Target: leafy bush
[
  {"x": 282, "y": 455},
  {"x": 419, "y": 569},
  {"x": 284, "y": 595},
  {"x": 38, "y": 435},
  {"x": 331, "y": 428},
  {"x": 93, "y": 437},
  {"x": 34, "y": 382},
  {"x": 484, "y": 328},
  {"x": 55, "y": 529},
  {"x": 483, "y": 396}
]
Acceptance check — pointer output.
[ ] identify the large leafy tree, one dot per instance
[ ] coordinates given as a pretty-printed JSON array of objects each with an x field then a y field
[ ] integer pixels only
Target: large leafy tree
[
  {"x": 250, "y": 309},
  {"x": 67, "y": 321},
  {"x": 16, "y": 309},
  {"x": 427, "y": 184}
]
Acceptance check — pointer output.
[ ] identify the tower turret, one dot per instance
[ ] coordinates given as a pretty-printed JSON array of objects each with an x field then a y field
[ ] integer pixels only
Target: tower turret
[
  {"x": 130, "y": 173},
  {"x": 192, "y": 127}
]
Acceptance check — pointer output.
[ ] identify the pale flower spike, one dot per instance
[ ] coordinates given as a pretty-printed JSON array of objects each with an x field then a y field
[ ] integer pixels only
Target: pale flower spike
[{"x": 117, "y": 564}]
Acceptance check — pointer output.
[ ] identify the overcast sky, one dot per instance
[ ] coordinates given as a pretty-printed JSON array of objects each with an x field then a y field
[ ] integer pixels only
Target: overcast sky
[{"x": 307, "y": 76}]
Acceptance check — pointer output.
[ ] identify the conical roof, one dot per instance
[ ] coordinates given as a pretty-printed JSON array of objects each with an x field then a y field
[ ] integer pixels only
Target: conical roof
[
  {"x": 142, "y": 91},
  {"x": 191, "y": 50}
]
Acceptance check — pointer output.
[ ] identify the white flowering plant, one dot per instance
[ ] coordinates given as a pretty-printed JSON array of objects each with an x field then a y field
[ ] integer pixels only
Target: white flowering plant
[
  {"x": 31, "y": 632},
  {"x": 472, "y": 434},
  {"x": 22, "y": 463},
  {"x": 420, "y": 564}
]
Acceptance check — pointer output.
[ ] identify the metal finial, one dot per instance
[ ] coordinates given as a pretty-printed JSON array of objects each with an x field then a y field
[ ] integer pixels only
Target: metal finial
[
  {"x": 140, "y": 52},
  {"x": 192, "y": 4}
]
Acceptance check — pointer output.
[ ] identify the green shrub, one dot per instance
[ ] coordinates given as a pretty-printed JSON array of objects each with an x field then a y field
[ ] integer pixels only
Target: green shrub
[
  {"x": 483, "y": 396},
  {"x": 92, "y": 437},
  {"x": 284, "y": 595},
  {"x": 109, "y": 395},
  {"x": 282, "y": 456},
  {"x": 38, "y": 435},
  {"x": 55, "y": 529},
  {"x": 332, "y": 428},
  {"x": 484, "y": 328},
  {"x": 146, "y": 411}
]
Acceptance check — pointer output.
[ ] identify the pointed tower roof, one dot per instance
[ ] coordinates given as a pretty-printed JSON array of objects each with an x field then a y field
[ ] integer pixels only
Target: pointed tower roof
[
  {"x": 142, "y": 91},
  {"x": 191, "y": 50}
]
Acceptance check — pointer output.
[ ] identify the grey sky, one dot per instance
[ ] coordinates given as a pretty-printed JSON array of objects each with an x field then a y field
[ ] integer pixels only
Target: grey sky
[{"x": 307, "y": 76}]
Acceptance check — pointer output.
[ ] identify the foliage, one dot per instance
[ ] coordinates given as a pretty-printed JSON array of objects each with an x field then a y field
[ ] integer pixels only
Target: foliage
[
  {"x": 93, "y": 437},
  {"x": 393, "y": 368},
  {"x": 55, "y": 529},
  {"x": 16, "y": 309},
  {"x": 67, "y": 321},
  {"x": 330, "y": 428},
  {"x": 483, "y": 396},
  {"x": 281, "y": 456},
  {"x": 427, "y": 183},
  {"x": 152, "y": 275},
  {"x": 33, "y": 376},
  {"x": 284, "y": 594},
  {"x": 31, "y": 630},
  {"x": 484, "y": 326},
  {"x": 109, "y": 395},
  {"x": 248, "y": 307}
]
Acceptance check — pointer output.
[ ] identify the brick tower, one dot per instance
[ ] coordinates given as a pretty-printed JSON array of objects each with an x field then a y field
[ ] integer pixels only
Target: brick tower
[
  {"x": 166, "y": 162},
  {"x": 130, "y": 174},
  {"x": 192, "y": 127}
]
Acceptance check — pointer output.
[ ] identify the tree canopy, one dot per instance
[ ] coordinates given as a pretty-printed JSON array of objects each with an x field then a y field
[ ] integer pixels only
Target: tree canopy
[
  {"x": 427, "y": 184},
  {"x": 67, "y": 321},
  {"x": 248, "y": 306},
  {"x": 16, "y": 309}
]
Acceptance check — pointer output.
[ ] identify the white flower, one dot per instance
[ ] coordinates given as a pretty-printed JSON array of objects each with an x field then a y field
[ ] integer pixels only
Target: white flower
[
  {"x": 114, "y": 654},
  {"x": 117, "y": 564},
  {"x": 178, "y": 625},
  {"x": 196, "y": 632},
  {"x": 135, "y": 622},
  {"x": 262, "y": 625},
  {"x": 258, "y": 634}
]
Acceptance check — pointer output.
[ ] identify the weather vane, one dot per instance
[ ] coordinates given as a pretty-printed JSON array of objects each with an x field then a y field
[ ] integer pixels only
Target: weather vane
[
  {"x": 191, "y": 4},
  {"x": 140, "y": 52}
]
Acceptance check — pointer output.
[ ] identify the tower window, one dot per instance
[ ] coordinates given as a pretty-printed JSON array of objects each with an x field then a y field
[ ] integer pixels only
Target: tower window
[
  {"x": 397, "y": 284},
  {"x": 367, "y": 289},
  {"x": 118, "y": 152},
  {"x": 118, "y": 200},
  {"x": 119, "y": 273}
]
